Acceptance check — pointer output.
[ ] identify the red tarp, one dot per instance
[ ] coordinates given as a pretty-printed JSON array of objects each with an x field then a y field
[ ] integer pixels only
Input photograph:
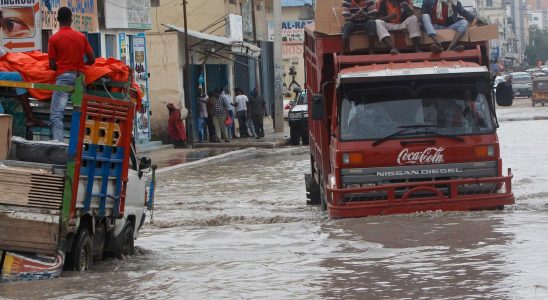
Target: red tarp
[{"x": 34, "y": 67}]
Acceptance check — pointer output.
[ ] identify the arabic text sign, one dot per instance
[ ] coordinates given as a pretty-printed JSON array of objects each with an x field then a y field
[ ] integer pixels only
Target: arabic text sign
[{"x": 22, "y": 25}]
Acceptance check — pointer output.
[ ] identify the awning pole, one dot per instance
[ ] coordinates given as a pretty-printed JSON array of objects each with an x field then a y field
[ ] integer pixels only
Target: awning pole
[{"x": 186, "y": 85}]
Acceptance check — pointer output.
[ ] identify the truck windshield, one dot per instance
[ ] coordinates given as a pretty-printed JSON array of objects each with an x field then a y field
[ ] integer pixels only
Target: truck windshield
[{"x": 362, "y": 118}]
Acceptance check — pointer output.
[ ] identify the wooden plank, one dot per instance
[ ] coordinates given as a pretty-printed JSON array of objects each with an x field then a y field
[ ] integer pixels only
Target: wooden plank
[{"x": 21, "y": 234}]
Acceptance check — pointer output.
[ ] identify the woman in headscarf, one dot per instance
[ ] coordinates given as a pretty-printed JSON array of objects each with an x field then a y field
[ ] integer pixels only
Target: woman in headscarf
[{"x": 176, "y": 127}]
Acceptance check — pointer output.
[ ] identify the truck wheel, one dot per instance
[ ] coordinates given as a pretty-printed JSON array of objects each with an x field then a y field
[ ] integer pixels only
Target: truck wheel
[
  {"x": 323, "y": 202},
  {"x": 304, "y": 138},
  {"x": 127, "y": 241},
  {"x": 293, "y": 136},
  {"x": 81, "y": 256}
]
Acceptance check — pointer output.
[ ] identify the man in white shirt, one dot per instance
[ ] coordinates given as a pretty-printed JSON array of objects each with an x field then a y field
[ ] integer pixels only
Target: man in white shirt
[{"x": 241, "y": 111}]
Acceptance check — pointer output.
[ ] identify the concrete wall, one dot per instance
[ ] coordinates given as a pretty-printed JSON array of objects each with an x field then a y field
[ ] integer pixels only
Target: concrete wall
[{"x": 165, "y": 75}]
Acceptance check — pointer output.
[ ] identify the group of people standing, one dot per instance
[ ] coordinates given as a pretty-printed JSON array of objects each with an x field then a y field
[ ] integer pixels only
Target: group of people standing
[
  {"x": 378, "y": 19},
  {"x": 218, "y": 111}
]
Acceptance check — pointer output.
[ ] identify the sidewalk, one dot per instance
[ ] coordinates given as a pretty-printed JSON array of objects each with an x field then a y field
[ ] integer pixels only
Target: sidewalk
[{"x": 169, "y": 157}]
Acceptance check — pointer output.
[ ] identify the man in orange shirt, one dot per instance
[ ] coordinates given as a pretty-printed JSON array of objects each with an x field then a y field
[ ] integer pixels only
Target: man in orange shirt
[
  {"x": 66, "y": 52},
  {"x": 396, "y": 15}
]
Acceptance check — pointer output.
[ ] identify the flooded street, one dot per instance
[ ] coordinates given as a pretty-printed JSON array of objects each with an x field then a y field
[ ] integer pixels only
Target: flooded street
[{"x": 239, "y": 228}]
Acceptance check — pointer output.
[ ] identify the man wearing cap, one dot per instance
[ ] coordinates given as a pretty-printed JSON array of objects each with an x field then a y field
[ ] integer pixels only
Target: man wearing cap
[{"x": 66, "y": 52}]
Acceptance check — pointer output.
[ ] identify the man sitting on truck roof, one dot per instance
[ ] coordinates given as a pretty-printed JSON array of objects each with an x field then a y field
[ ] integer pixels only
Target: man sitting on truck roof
[
  {"x": 66, "y": 51},
  {"x": 396, "y": 15},
  {"x": 21, "y": 93},
  {"x": 359, "y": 16},
  {"x": 444, "y": 14}
]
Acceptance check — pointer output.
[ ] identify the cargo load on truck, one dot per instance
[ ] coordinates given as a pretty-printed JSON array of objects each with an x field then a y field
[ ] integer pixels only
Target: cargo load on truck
[{"x": 402, "y": 133}]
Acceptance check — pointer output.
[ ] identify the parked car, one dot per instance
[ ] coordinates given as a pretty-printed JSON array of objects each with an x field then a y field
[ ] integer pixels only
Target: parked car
[
  {"x": 298, "y": 120},
  {"x": 522, "y": 84}
]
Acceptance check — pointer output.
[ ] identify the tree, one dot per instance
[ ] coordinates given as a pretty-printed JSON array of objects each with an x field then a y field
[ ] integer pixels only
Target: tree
[{"x": 538, "y": 45}]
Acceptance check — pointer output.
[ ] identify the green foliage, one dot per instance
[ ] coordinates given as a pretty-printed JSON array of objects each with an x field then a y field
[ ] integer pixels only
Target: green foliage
[{"x": 538, "y": 46}]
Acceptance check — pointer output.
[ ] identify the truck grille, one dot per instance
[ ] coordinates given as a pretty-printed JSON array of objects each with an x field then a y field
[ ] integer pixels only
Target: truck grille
[{"x": 371, "y": 177}]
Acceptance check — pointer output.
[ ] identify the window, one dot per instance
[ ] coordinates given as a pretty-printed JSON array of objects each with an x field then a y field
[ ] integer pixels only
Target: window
[
  {"x": 535, "y": 18},
  {"x": 110, "y": 46},
  {"x": 154, "y": 3},
  {"x": 232, "y": 2},
  {"x": 489, "y": 3}
]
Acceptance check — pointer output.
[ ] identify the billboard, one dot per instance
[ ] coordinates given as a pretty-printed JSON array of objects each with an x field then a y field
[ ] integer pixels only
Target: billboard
[
  {"x": 84, "y": 14},
  {"x": 292, "y": 31},
  {"x": 21, "y": 25},
  {"x": 133, "y": 14}
]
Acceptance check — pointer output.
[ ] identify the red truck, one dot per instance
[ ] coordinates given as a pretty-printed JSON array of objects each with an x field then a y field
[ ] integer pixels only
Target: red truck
[{"x": 393, "y": 134}]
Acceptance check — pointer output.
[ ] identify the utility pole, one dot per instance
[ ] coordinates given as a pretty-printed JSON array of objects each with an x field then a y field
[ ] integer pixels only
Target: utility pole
[
  {"x": 278, "y": 80},
  {"x": 186, "y": 84}
]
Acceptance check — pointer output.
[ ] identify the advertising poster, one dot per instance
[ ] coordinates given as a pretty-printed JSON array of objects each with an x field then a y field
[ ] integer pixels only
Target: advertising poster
[
  {"x": 22, "y": 25},
  {"x": 123, "y": 48},
  {"x": 141, "y": 78},
  {"x": 84, "y": 14}
]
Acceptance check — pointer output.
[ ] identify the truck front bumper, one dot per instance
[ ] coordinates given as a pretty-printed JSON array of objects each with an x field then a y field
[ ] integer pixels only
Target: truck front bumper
[{"x": 403, "y": 198}]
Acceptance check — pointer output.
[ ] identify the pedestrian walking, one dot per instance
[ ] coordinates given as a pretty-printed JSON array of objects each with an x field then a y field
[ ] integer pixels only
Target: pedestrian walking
[
  {"x": 210, "y": 104},
  {"x": 241, "y": 101},
  {"x": 257, "y": 105},
  {"x": 219, "y": 117},
  {"x": 176, "y": 127},
  {"x": 202, "y": 117},
  {"x": 225, "y": 95},
  {"x": 66, "y": 51}
]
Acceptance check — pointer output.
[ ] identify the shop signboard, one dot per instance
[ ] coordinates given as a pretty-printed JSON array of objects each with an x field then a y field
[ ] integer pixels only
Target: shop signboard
[
  {"x": 21, "y": 25},
  {"x": 84, "y": 14}
]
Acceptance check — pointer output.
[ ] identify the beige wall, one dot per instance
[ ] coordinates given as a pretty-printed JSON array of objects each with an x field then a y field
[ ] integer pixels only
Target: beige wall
[
  {"x": 163, "y": 62},
  {"x": 166, "y": 50},
  {"x": 292, "y": 54}
]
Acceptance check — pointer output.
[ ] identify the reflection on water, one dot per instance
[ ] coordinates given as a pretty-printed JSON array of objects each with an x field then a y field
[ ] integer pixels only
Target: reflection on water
[{"x": 238, "y": 228}]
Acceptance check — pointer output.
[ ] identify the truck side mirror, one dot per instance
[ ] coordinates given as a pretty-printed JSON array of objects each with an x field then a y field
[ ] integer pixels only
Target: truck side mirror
[
  {"x": 505, "y": 95},
  {"x": 318, "y": 107},
  {"x": 145, "y": 163}
]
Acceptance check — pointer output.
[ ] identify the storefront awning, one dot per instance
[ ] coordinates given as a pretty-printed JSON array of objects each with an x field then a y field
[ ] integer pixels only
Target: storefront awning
[{"x": 235, "y": 47}]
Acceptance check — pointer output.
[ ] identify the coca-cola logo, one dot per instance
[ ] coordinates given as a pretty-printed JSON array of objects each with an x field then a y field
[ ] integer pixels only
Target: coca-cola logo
[{"x": 427, "y": 156}]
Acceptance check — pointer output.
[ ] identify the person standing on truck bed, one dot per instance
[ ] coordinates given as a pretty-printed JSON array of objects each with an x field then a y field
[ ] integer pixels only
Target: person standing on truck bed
[
  {"x": 359, "y": 16},
  {"x": 444, "y": 14},
  {"x": 66, "y": 52},
  {"x": 396, "y": 15}
]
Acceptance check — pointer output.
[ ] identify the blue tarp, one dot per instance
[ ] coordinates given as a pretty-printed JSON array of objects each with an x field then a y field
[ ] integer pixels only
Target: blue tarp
[{"x": 286, "y": 3}]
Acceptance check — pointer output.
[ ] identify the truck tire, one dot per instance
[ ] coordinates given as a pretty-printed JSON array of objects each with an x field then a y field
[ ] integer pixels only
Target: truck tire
[
  {"x": 323, "y": 202},
  {"x": 304, "y": 138},
  {"x": 81, "y": 256},
  {"x": 127, "y": 241},
  {"x": 294, "y": 137}
]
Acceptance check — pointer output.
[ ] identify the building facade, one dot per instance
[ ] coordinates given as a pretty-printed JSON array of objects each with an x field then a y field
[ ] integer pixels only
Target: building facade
[{"x": 221, "y": 55}]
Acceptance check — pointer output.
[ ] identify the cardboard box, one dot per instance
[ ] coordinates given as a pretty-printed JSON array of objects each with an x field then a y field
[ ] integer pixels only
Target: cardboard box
[
  {"x": 328, "y": 17},
  {"x": 444, "y": 35},
  {"x": 483, "y": 33},
  {"x": 5, "y": 135},
  {"x": 359, "y": 41}
]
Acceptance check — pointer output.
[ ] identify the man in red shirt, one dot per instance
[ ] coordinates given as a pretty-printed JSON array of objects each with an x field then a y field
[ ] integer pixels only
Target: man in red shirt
[{"x": 66, "y": 52}]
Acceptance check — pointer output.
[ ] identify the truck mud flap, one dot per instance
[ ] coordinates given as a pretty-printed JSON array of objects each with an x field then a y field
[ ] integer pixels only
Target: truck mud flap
[{"x": 21, "y": 266}]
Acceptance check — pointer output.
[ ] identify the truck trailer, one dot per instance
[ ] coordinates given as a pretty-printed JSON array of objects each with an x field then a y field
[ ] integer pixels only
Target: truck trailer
[{"x": 393, "y": 134}]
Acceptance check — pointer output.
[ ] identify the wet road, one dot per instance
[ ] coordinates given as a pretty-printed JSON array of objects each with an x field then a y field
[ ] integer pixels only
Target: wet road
[{"x": 239, "y": 228}]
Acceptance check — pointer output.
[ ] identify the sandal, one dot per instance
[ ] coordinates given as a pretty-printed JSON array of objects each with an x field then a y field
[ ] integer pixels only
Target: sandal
[
  {"x": 458, "y": 48},
  {"x": 436, "y": 48},
  {"x": 394, "y": 52}
]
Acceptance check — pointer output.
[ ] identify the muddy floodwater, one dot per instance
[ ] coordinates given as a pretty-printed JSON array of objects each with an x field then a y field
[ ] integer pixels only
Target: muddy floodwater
[{"x": 239, "y": 228}]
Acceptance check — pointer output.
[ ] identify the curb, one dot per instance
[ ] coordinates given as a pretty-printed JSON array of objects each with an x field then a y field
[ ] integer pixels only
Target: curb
[
  {"x": 534, "y": 118},
  {"x": 237, "y": 145},
  {"x": 201, "y": 161}
]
